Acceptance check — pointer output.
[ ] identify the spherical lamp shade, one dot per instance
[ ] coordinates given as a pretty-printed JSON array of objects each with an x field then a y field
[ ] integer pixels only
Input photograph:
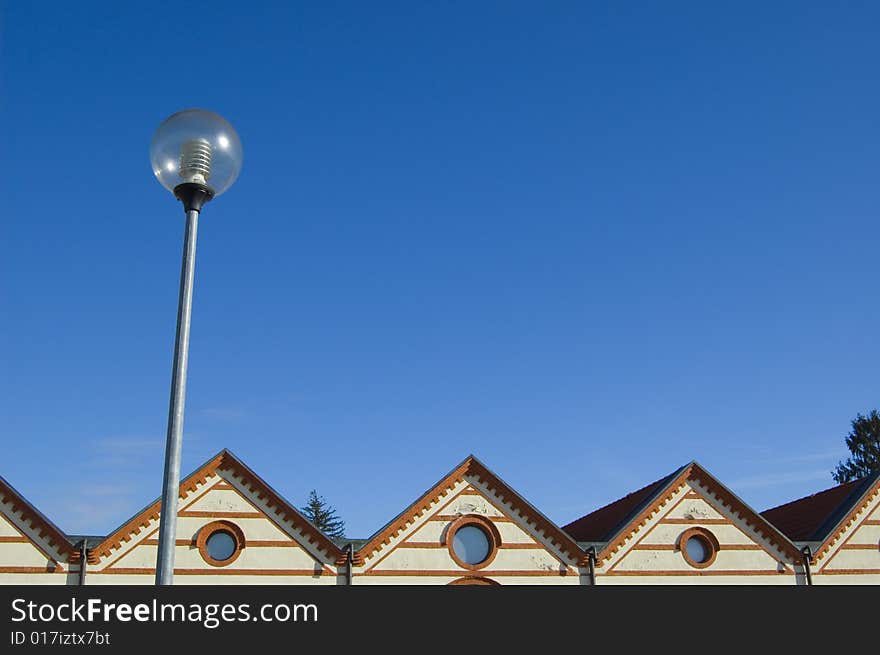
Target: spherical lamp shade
[{"x": 196, "y": 146}]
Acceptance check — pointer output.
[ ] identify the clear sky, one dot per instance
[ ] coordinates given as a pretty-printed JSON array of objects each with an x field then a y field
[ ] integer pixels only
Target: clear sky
[{"x": 586, "y": 242}]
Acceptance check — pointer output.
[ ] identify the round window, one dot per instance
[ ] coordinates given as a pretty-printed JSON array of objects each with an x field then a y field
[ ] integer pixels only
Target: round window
[
  {"x": 473, "y": 541},
  {"x": 471, "y": 544},
  {"x": 698, "y": 550},
  {"x": 220, "y": 545},
  {"x": 698, "y": 547},
  {"x": 220, "y": 542}
]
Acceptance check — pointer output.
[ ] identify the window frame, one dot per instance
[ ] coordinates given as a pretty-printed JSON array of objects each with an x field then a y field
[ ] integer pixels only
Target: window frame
[
  {"x": 486, "y": 526},
  {"x": 205, "y": 533},
  {"x": 708, "y": 540}
]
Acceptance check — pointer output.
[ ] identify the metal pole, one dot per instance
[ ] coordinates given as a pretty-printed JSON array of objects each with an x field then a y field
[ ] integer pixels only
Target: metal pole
[
  {"x": 83, "y": 560},
  {"x": 591, "y": 561},
  {"x": 808, "y": 555},
  {"x": 171, "y": 479}
]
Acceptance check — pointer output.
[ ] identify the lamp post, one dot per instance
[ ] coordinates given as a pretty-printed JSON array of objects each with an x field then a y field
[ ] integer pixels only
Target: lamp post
[{"x": 196, "y": 154}]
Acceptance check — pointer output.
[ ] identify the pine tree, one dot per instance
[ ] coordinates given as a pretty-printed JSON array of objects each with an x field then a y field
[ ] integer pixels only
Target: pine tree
[
  {"x": 323, "y": 516},
  {"x": 864, "y": 444}
]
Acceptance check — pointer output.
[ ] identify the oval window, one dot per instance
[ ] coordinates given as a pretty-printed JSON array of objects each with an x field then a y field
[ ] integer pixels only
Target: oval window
[{"x": 698, "y": 550}]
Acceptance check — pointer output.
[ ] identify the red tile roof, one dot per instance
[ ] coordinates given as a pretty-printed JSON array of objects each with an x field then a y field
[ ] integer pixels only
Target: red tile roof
[
  {"x": 603, "y": 523},
  {"x": 808, "y": 518}
]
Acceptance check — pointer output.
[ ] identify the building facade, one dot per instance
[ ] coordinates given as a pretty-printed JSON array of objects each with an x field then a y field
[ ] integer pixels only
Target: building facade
[{"x": 469, "y": 528}]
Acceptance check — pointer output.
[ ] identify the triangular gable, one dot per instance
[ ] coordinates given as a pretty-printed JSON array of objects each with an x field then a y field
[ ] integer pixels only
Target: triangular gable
[
  {"x": 722, "y": 507},
  {"x": 827, "y": 519},
  {"x": 44, "y": 547},
  {"x": 470, "y": 488},
  {"x": 223, "y": 488}
]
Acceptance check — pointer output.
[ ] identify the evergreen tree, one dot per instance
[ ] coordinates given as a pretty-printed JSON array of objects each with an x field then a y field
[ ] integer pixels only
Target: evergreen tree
[
  {"x": 863, "y": 442},
  {"x": 323, "y": 516}
]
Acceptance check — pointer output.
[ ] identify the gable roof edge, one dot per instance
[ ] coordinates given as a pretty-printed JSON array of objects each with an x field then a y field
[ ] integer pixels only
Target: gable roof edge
[
  {"x": 38, "y": 521},
  {"x": 859, "y": 502}
]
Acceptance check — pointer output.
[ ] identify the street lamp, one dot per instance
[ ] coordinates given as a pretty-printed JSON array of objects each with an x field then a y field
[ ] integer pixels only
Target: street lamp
[{"x": 196, "y": 155}]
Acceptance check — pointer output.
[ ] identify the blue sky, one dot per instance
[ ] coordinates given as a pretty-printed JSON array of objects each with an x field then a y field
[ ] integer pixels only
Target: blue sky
[{"x": 585, "y": 242}]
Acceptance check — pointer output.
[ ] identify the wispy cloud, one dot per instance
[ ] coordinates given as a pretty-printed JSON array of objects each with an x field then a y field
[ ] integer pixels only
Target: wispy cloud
[
  {"x": 88, "y": 514},
  {"x": 822, "y": 456},
  {"x": 116, "y": 452}
]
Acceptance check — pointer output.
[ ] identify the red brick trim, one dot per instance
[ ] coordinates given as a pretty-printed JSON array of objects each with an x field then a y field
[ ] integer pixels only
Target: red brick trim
[
  {"x": 32, "y": 569},
  {"x": 860, "y": 547},
  {"x": 177, "y": 542},
  {"x": 229, "y": 528},
  {"x": 473, "y": 580},
  {"x": 751, "y": 547},
  {"x": 212, "y": 572},
  {"x": 708, "y": 540},
  {"x": 403, "y": 573},
  {"x": 445, "y": 518},
  {"x": 213, "y": 514},
  {"x": 486, "y": 527},
  {"x": 851, "y": 572},
  {"x": 32, "y": 518},
  {"x": 715, "y": 572}
]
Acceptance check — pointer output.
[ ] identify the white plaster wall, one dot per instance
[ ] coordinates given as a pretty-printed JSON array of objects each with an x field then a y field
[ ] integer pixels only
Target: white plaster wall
[
  {"x": 439, "y": 559},
  {"x": 21, "y": 554},
  {"x": 186, "y": 557},
  {"x": 433, "y": 531},
  {"x": 848, "y": 579},
  {"x": 786, "y": 579},
  {"x": 471, "y": 504},
  {"x": 511, "y": 533},
  {"x": 11, "y": 519},
  {"x": 855, "y": 559},
  {"x": 149, "y": 579},
  {"x": 726, "y": 534},
  {"x": 673, "y": 560},
  {"x": 570, "y": 579},
  {"x": 6, "y": 529},
  {"x": 866, "y": 535},
  {"x": 257, "y": 527},
  {"x": 694, "y": 508},
  {"x": 220, "y": 500},
  {"x": 33, "y": 579}
]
